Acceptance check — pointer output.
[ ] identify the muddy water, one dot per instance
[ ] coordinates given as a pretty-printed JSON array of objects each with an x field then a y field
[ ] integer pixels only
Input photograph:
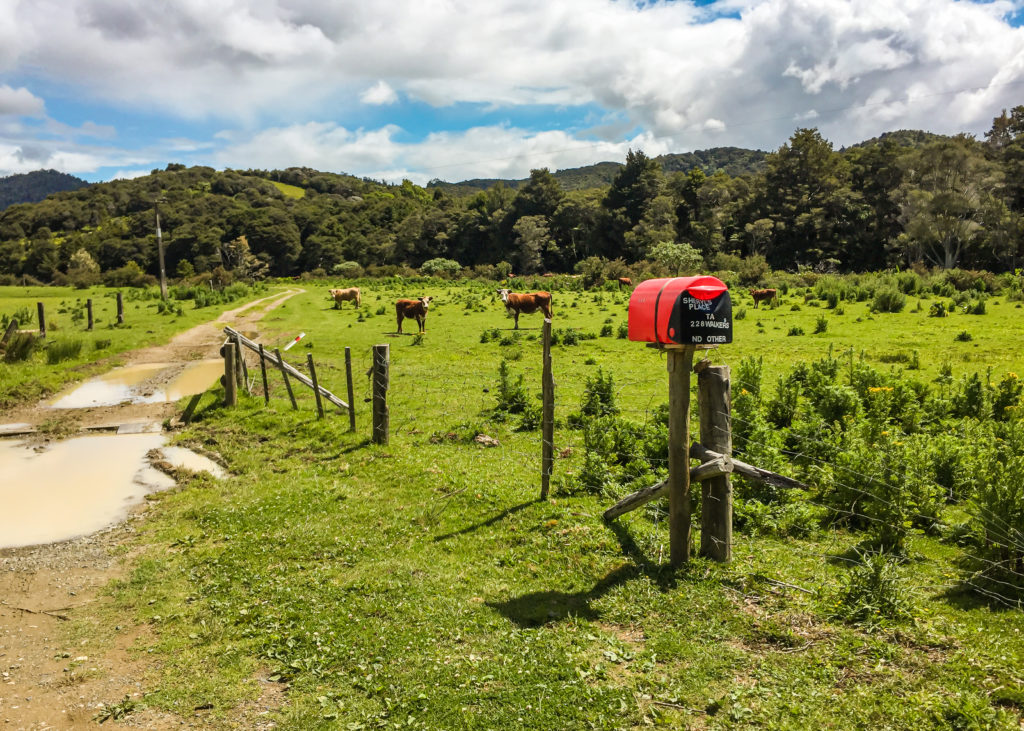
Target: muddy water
[
  {"x": 132, "y": 385},
  {"x": 189, "y": 460},
  {"x": 73, "y": 488},
  {"x": 196, "y": 378}
]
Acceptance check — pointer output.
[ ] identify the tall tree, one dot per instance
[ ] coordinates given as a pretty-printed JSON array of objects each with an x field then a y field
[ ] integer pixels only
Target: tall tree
[
  {"x": 949, "y": 188},
  {"x": 807, "y": 195},
  {"x": 631, "y": 192}
]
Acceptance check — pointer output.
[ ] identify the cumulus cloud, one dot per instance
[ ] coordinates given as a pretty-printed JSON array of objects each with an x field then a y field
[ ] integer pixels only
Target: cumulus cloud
[
  {"x": 20, "y": 102},
  {"x": 737, "y": 72},
  {"x": 379, "y": 93},
  {"x": 487, "y": 152}
]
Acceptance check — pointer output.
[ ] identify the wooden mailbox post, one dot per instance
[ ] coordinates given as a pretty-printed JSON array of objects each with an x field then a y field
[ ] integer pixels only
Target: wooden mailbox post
[{"x": 679, "y": 315}]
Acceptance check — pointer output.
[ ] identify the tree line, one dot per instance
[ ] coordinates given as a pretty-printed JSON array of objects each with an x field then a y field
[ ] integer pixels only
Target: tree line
[{"x": 902, "y": 199}]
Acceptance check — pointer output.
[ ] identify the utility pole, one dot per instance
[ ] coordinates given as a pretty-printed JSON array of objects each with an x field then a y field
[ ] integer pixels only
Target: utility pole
[{"x": 160, "y": 252}]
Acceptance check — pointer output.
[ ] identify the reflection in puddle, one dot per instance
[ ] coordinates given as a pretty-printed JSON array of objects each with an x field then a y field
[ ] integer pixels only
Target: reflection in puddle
[
  {"x": 196, "y": 378},
  {"x": 129, "y": 385},
  {"x": 189, "y": 460},
  {"x": 74, "y": 488}
]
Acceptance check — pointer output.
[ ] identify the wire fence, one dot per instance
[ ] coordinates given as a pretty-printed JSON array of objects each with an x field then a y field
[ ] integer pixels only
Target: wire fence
[{"x": 464, "y": 399}]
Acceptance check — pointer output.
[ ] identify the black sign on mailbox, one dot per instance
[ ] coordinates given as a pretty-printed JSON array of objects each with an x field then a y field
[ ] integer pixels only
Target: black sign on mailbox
[{"x": 701, "y": 321}]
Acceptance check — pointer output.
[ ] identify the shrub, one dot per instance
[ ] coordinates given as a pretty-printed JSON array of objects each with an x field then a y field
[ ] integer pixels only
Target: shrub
[
  {"x": 440, "y": 267},
  {"x": 873, "y": 594},
  {"x": 20, "y": 347},
  {"x": 889, "y": 299},
  {"x": 130, "y": 275},
  {"x": 963, "y": 337},
  {"x": 347, "y": 270},
  {"x": 795, "y": 330},
  {"x": 938, "y": 309},
  {"x": 511, "y": 395},
  {"x": 623, "y": 331},
  {"x": 606, "y": 330},
  {"x": 821, "y": 324}
]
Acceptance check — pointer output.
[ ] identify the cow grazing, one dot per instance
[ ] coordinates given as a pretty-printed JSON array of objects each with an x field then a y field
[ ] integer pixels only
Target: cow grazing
[
  {"x": 625, "y": 282},
  {"x": 346, "y": 295},
  {"x": 413, "y": 309},
  {"x": 763, "y": 295},
  {"x": 517, "y": 304}
]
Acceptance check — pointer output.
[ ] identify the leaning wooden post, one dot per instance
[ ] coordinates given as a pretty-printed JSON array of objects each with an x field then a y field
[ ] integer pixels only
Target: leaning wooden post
[
  {"x": 120, "y": 309},
  {"x": 680, "y": 362},
  {"x": 284, "y": 374},
  {"x": 713, "y": 395},
  {"x": 230, "y": 384},
  {"x": 351, "y": 391},
  {"x": 42, "y": 319},
  {"x": 381, "y": 415},
  {"x": 547, "y": 416},
  {"x": 12, "y": 327},
  {"x": 88, "y": 312},
  {"x": 316, "y": 386},
  {"x": 263, "y": 372}
]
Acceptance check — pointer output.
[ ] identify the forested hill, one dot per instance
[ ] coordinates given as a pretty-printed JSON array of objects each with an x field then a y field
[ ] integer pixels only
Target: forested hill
[
  {"x": 33, "y": 187},
  {"x": 731, "y": 160},
  {"x": 904, "y": 198}
]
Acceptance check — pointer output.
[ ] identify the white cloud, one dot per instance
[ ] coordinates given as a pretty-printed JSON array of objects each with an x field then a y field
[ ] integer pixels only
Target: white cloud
[
  {"x": 688, "y": 77},
  {"x": 480, "y": 152},
  {"x": 379, "y": 93},
  {"x": 20, "y": 102}
]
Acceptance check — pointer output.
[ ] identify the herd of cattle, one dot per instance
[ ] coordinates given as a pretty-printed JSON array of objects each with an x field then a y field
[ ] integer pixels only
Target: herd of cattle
[{"x": 515, "y": 303}]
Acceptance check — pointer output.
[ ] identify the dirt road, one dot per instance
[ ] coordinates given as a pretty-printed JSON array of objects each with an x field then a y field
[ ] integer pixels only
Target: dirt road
[{"x": 49, "y": 680}]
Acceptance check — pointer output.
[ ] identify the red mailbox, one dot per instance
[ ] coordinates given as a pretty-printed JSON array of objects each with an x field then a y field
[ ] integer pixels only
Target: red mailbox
[{"x": 681, "y": 311}]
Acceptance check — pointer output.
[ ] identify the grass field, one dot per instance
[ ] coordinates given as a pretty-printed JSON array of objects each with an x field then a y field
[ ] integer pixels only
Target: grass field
[
  {"x": 87, "y": 352},
  {"x": 424, "y": 585}
]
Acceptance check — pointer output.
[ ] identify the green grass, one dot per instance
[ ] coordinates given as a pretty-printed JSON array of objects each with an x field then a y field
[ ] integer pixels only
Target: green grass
[
  {"x": 101, "y": 349},
  {"x": 289, "y": 191},
  {"x": 422, "y": 584}
]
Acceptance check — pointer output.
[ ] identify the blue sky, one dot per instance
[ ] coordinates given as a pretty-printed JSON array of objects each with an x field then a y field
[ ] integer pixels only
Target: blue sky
[{"x": 456, "y": 89}]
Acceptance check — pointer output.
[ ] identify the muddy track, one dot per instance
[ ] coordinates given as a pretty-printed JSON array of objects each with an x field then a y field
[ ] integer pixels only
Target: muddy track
[{"x": 46, "y": 681}]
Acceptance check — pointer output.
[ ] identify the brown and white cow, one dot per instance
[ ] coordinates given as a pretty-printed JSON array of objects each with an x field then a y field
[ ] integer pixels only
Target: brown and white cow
[
  {"x": 345, "y": 295},
  {"x": 516, "y": 304},
  {"x": 413, "y": 309},
  {"x": 625, "y": 282},
  {"x": 763, "y": 295}
]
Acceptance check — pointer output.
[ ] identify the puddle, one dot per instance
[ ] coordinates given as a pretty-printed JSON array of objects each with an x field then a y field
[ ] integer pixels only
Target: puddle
[
  {"x": 127, "y": 385},
  {"x": 189, "y": 460},
  {"x": 42, "y": 503}
]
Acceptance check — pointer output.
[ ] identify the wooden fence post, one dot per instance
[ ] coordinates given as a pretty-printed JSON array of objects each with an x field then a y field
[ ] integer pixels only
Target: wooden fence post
[
  {"x": 316, "y": 386},
  {"x": 351, "y": 391},
  {"x": 263, "y": 372},
  {"x": 284, "y": 374},
  {"x": 243, "y": 370},
  {"x": 381, "y": 375},
  {"x": 680, "y": 362},
  {"x": 42, "y": 319},
  {"x": 88, "y": 312},
  {"x": 12, "y": 326},
  {"x": 230, "y": 383},
  {"x": 120, "y": 309},
  {"x": 547, "y": 416},
  {"x": 714, "y": 399}
]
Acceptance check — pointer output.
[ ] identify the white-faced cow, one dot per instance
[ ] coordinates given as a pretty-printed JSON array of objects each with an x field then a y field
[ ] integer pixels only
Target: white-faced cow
[
  {"x": 763, "y": 295},
  {"x": 345, "y": 295},
  {"x": 527, "y": 304},
  {"x": 413, "y": 309}
]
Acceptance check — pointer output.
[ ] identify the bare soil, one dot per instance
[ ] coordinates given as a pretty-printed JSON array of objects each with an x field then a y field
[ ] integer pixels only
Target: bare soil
[{"x": 47, "y": 679}]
